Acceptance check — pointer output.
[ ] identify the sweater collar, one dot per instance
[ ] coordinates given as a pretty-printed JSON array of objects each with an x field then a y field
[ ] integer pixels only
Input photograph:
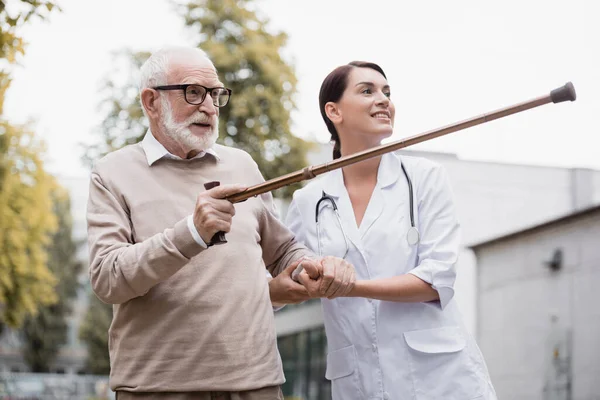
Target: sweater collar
[{"x": 155, "y": 150}]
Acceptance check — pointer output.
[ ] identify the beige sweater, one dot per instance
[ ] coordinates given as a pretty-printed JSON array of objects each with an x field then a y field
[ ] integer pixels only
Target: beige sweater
[{"x": 184, "y": 318}]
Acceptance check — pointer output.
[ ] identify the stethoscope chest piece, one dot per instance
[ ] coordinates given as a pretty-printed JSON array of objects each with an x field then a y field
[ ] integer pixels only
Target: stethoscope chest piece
[{"x": 412, "y": 237}]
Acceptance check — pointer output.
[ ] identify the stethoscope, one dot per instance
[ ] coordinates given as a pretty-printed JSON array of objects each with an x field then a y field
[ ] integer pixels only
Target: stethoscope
[{"x": 412, "y": 236}]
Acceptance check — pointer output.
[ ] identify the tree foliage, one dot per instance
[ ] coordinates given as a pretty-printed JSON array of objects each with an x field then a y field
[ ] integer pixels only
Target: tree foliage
[
  {"x": 94, "y": 333},
  {"x": 27, "y": 221},
  {"x": 124, "y": 122},
  {"x": 26, "y": 217},
  {"x": 45, "y": 333}
]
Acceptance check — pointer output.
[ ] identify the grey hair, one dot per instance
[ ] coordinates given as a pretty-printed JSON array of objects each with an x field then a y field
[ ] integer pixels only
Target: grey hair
[{"x": 154, "y": 70}]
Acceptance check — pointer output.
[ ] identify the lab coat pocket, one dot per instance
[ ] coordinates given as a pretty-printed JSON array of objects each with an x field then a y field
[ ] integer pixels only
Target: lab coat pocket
[
  {"x": 342, "y": 371},
  {"x": 440, "y": 365}
]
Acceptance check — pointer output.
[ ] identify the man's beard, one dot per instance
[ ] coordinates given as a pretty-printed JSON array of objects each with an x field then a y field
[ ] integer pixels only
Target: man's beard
[{"x": 181, "y": 133}]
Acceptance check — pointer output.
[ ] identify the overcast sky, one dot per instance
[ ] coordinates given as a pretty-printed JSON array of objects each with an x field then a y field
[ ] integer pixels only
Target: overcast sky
[{"x": 445, "y": 61}]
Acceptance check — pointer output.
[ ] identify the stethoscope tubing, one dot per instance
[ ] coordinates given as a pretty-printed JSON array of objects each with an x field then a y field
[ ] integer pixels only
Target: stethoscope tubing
[{"x": 412, "y": 236}]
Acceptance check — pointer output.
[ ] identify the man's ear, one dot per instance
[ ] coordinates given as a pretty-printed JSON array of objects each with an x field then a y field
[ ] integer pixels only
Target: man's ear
[
  {"x": 333, "y": 112},
  {"x": 151, "y": 102}
]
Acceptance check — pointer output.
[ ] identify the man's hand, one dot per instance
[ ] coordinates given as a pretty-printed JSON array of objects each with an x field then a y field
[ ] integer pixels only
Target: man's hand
[
  {"x": 313, "y": 269},
  {"x": 337, "y": 279},
  {"x": 212, "y": 213},
  {"x": 284, "y": 290}
]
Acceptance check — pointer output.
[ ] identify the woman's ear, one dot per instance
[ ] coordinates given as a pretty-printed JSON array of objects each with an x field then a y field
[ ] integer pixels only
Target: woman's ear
[
  {"x": 150, "y": 102},
  {"x": 333, "y": 112}
]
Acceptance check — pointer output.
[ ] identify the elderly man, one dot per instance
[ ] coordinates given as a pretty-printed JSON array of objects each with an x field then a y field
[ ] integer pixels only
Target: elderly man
[{"x": 191, "y": 320}]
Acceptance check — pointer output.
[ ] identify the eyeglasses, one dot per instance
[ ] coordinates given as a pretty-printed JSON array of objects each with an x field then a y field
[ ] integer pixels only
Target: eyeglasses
[{"x": 195, "y": 94}]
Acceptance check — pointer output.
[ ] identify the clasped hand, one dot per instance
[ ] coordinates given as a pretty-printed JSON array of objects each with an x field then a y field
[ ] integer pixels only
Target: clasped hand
[{"x": 328, "y": 277}]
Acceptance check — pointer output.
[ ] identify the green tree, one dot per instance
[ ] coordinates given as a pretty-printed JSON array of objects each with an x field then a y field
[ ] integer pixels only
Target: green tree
[
  {"x": 124, "y": 122},
  {"x": 26, "y": 218},
  {"x": 94, "y": 333},
  {"x": 26, "y": 223},
  {"x": 247, "y": 57},
  {"x": 45, "y": 333}
]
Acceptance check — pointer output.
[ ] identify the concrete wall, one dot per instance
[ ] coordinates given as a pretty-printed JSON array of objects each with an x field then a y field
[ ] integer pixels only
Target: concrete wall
[
  {"x": 596, "y": 183},
  {"x": 535, "y": 324}
]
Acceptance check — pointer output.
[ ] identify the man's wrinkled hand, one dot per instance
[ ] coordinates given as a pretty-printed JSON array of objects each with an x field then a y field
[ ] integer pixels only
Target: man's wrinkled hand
[
  {"x": 213, "y": 213},
  {"x": 284, "y": 290}
]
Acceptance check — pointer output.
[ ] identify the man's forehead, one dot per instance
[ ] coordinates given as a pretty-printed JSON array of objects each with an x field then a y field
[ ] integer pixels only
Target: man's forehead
[{"x": 201, "y": 73}]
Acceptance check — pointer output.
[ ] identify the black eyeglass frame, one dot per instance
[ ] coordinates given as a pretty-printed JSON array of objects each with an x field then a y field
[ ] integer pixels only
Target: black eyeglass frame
[{"x": 207, "y": 90}]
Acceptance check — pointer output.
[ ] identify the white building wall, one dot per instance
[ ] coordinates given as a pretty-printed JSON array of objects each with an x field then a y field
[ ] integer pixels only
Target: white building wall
[
  {"x": 596, "y": 184},
  {"x": 527, "y": 312}
]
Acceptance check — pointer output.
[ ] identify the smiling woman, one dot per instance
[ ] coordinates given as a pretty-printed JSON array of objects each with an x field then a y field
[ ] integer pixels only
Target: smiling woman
[
  {"x": 399, "y": 330},
  {"x": 364, "y": 81}
]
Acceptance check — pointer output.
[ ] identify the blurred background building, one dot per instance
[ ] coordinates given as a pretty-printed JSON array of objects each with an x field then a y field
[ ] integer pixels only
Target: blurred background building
[{"x": 538, "y": 319}]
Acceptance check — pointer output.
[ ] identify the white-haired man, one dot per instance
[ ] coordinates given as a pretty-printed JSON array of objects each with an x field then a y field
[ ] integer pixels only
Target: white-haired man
[{"x": 190, "y": 320}]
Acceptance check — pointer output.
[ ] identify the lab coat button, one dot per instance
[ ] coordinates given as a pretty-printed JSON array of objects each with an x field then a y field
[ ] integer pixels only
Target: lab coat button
[
  {"x": 386, "y": 396},
  {"x": 374, "y": 347}
]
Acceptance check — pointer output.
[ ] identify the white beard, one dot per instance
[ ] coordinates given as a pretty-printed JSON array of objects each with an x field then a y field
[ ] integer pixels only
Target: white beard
[{"x": 181, "y": 133}]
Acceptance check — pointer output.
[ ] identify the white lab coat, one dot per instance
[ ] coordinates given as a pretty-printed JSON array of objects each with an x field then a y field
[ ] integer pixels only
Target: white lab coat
[{"x": 393, "y": 350}]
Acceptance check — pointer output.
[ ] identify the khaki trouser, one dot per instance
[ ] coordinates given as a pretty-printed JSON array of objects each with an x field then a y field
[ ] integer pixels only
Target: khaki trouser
[{"x": 267, "y": 393}]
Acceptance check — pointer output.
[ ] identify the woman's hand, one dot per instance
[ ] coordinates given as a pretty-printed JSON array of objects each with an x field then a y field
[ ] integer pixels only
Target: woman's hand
[{"x": 337, "y": 279}]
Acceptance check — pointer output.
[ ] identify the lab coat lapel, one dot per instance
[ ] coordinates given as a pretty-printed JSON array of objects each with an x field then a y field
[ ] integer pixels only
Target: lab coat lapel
[
  {"x": 333, "y": 185},
  {"x": 387, "y": 176},
  {"x": 373, "y": 211}
]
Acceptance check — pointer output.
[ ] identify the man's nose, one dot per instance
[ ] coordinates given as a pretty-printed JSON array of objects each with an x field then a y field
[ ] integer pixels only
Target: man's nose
[{"x": 207, "y": 106}]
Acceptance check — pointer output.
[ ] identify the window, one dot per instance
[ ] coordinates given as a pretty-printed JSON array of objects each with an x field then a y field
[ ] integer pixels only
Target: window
[{"x": 304, "y": 357}]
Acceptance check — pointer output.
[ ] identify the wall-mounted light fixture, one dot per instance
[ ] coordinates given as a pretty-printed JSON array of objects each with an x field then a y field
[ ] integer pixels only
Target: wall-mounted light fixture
[{"x": 556, "y": 262}]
